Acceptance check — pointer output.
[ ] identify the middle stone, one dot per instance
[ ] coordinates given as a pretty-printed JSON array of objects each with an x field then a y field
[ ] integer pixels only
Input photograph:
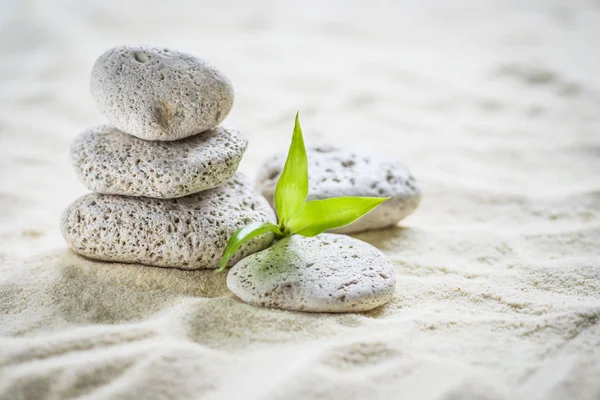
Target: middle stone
[{"x": 109, "y": 161}]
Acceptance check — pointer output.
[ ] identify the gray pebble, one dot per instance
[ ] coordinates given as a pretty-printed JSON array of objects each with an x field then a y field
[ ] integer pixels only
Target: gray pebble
[
  {"x": 109, "y": 161},
  {"x": 189, "y": 232},
  {"x": 337, "y": 172},
  {"x": 325, "y": 273},
  {"x": 159, "y": 94}
]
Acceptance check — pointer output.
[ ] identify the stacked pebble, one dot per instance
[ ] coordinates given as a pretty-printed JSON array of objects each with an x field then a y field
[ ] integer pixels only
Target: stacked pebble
[{"x": 163, "y": 171}]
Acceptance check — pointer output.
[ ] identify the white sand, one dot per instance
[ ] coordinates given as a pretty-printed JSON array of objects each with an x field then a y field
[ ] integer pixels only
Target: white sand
[{"x": 494, "y": 105}]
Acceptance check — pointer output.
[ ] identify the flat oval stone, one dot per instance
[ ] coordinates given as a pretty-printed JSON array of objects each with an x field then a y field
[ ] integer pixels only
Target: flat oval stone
[
  {"x": 159, "y": 94},
  {"x": 325, "y": 273},
  {"x": 336, "y": 172},
  {"x": 189, "y": 232},
  {"x": 109, "y": 161}
]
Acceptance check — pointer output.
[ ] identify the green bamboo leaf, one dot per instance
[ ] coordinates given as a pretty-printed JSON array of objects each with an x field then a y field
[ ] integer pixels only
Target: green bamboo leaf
[
  {"x": 292, "y": 187},
  {"x": 317, "y": 216},
  {"x": 244, "y": 234}
]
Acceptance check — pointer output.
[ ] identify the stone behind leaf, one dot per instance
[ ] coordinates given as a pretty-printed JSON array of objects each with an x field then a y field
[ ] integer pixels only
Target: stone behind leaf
[
  {"x": 109, "y": 161},
  {"x": 159, "y": 94},
  {"x": 337, "y": 172},
  {"x": 189, "y": 232},
  {"x": 325, "y": 273}
]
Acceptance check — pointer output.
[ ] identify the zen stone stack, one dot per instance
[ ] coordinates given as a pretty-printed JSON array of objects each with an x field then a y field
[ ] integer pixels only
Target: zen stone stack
[{"x": 164, "y": 171}]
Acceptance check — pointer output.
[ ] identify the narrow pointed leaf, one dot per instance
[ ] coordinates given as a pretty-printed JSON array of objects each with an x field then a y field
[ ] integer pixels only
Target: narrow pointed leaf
[
  {"x": 317, "y": 216},
  {"x": 292, "y": 187},
  {"x": 244, "y": 234}
]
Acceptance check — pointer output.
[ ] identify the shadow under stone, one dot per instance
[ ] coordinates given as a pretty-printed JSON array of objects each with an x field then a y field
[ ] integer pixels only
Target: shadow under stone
[
  {"x": 393, "y": 238},
  {"x": 102, "y": 292}
]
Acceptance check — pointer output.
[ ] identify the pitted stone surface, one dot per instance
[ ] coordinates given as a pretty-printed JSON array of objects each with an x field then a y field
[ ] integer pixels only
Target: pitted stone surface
[
  {"x": 109, "y": 161},
  {"x": 336, "y": 172},
  {"x": 189, "y": 232},
  {"x": 159, "y": 94},
  {"x": 325, "y": 273}
]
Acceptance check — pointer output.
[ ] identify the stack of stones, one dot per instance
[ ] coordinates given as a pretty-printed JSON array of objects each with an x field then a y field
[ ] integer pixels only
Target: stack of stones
[
  {"x": 166, "y": 190},
  {"x": 163, "y": 171}
]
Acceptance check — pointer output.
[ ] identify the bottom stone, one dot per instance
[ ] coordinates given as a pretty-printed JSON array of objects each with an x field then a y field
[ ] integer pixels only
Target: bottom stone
[
  {"x": 188, "y": 232},
  {"x": 325, "y": 273}
]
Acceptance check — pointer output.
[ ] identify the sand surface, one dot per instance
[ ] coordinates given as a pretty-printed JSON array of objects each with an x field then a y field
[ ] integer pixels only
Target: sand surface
[{"x": 494, "y": 105}]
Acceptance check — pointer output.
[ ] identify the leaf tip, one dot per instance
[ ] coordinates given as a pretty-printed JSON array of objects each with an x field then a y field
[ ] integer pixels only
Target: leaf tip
[
  {"x": 297, "y": 127},
  {"x": 222, "y": 266},
  {"x": 382, "y": 200}
]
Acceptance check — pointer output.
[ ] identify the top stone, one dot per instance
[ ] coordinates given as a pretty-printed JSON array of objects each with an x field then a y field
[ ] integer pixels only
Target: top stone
[{"x": 159, "y": 94}]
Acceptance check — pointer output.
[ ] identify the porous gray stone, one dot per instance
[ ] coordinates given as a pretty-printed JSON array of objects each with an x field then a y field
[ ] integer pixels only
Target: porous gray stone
[
  {"x": 189, "y": 232},
  {"x": 159, "y": 94},
  {"x": 109, "y": 161},
  {"x": 325, "y": 273},
  {"x": 336, "y": 172}
]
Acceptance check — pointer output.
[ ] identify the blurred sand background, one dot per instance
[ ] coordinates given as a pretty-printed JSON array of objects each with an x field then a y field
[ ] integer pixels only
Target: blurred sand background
[{"x": 494, "y": 105}]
